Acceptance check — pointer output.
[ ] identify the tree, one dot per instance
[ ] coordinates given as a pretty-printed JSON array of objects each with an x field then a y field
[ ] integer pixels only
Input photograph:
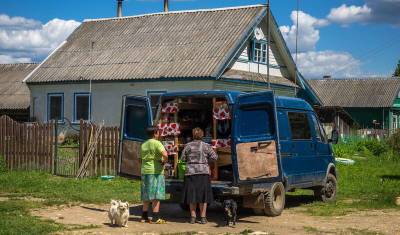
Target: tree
[{"x": 397, "y": 70}]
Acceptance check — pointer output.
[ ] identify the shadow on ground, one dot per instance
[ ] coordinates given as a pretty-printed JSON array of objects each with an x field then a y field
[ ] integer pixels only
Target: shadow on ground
[{"x": 172, "y": 212}]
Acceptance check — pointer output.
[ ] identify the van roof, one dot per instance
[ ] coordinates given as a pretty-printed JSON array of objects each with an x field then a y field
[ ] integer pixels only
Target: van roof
[
  {"x": 281, "y": 101},
  {"x": 292, "y": 103}
]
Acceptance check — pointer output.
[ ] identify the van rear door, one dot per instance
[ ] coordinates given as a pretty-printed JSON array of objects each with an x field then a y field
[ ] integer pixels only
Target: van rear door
[
  {"x": 255, "y": 146},
  {"x": 136, "y": 117}
]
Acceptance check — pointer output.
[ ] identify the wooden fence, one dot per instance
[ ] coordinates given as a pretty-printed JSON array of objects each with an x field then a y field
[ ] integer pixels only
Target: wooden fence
[
  {"x": 105, "y": 158},
  {"x": 27, "y": 146},
  {"x": 33, "y": 146}
]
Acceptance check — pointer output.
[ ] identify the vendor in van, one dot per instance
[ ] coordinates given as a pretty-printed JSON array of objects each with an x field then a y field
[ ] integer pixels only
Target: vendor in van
[{"x": 197, "y": 184}]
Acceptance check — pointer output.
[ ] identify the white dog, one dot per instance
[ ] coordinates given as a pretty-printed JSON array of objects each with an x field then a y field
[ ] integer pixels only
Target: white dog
[
  {"x": 123, "y": 214},
  {"x": 113, "y": 211}
]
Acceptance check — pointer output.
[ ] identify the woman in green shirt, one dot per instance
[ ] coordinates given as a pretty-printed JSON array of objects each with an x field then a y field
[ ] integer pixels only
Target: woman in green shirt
[{"x": 152, "y": 158}]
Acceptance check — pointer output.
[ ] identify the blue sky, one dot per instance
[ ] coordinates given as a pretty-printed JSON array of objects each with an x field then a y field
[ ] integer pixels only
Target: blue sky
[{"x": 339, "y": 38}]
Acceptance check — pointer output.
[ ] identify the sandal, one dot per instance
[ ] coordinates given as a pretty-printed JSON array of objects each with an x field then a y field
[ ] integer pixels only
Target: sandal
[
  {"x": 192, "y": 220},
  {"x": 203, "y": 220},
  {"x": 145, "y": 220},
  {"x": 159, "y": 221}
]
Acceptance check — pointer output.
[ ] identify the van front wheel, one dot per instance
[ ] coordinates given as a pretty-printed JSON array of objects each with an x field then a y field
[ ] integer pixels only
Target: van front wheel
[
  {"x": 274, "y": 201},
  {"x": 327, "y": 193}
]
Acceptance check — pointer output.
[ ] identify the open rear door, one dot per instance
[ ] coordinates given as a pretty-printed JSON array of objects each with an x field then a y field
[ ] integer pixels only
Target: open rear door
[
  {"x": 136, "y": 117},
  {"x": 255, "y": 139}
]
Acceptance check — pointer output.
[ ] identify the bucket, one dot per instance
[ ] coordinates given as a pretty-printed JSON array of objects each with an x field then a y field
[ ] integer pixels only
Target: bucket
[{"x": 181, "y": 169}]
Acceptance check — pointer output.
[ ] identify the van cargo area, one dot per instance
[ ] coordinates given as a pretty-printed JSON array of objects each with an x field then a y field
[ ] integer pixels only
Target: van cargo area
[{"x": 176, "y": 119}]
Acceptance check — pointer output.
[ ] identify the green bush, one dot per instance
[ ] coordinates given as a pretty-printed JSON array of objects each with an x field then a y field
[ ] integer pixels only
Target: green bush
[
  {"x": 71, "y": 140},
  {"x": 394, "y": 141},
  {"x": 352, "y": 146},
  {"x": 376, "y": 147}
]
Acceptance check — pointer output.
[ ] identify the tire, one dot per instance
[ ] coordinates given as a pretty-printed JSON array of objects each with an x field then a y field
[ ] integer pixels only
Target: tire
[
  {"x": 274, "y": 201},
  {"x": 328, "y": 192}
]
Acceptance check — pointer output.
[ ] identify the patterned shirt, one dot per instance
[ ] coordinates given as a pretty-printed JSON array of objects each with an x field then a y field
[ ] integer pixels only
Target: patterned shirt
[{"x": 197, "y": 154}]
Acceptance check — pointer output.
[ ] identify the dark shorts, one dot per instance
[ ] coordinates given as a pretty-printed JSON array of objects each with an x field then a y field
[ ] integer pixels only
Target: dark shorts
[{"x": 197, "y": 189}]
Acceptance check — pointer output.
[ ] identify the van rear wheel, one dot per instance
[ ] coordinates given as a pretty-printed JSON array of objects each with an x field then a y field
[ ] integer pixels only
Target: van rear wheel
[
  {"x": 327, "y": 193},
  {"x": 274, "y": 201}
]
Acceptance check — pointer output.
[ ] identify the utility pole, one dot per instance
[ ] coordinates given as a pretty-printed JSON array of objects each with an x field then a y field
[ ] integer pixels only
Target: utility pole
[
  {"x": 297, "y": 36},
  {"x": 269, "y": 41}
]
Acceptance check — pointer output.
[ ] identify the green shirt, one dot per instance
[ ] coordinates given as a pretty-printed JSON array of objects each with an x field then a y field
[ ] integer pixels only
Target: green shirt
[{"x": 151, "y": 155}]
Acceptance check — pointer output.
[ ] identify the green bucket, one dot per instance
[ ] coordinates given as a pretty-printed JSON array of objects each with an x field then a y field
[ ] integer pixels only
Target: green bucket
[{"x": 181, "y": 169}]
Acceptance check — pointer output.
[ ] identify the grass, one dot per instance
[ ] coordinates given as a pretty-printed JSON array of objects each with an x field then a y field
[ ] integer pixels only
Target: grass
[
  {"x": 15, "y": 219},
  {"x": 373, "y": 182},
  {"x": 59, "y": 190},
  {"x": 14, "y": 213}
]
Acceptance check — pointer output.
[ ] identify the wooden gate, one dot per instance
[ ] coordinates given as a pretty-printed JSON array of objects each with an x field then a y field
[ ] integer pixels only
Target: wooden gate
[
  {"x": 104, "y": 161},
  {"x": 27, "y": 146}
]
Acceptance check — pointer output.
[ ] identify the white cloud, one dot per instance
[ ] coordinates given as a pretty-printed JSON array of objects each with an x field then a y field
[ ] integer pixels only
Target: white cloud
[
  {"x": 19, "y": 38},
  {"x": 312, "y": 63},
  {"x": 315, "y": 64},
  {"x": 6, "y": 59},
  {"x": 308, "y": 31},
  {"x": 18, "y": 22},
  {"x": 350, "y": 14}
]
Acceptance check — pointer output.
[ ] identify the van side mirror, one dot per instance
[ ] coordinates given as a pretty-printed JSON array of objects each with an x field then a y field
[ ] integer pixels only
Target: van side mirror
[{"x": 334, "y": 137}]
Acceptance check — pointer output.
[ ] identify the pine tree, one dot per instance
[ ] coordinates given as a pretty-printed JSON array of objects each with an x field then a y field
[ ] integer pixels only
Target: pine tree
[{"x": 397, "y": 70}]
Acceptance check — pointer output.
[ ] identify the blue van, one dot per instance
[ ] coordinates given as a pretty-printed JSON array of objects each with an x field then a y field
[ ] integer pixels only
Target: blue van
[{"x": 267, "y": 144}]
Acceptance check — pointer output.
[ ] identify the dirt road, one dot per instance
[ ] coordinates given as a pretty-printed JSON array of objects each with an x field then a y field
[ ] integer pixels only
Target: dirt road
[{"x": 292, "y": 221}]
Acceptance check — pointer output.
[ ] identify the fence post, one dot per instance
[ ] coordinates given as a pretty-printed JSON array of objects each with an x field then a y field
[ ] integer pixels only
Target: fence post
[
  {"x": 54, "y": 155},
  {"x": 80, "y": 141}
]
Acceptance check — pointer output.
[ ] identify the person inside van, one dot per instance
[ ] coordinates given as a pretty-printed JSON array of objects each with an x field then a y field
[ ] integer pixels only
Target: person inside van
[
  {"x": 197, "y": 184},
  {"x": 152, "y": 157}
]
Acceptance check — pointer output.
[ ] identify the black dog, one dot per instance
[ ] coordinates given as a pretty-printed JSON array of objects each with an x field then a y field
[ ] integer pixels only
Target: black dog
[{"x": 230, "y": 208}]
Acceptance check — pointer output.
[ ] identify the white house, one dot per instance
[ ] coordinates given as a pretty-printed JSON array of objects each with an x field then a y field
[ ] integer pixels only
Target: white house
[{"x": 215, "y": 49}]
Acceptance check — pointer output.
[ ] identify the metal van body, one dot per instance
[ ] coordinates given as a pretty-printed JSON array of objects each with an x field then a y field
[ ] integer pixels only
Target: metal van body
[{"x": 304, "y": 159}]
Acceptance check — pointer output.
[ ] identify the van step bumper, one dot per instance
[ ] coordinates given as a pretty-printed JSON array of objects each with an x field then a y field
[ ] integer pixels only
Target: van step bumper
[{"x": 219, "y": 187}]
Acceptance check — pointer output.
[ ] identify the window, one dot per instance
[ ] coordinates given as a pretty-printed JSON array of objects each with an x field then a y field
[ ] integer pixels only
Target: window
[
  {"x": 319, "y": 130},
  {"x": 82, "y": 106},
  {"x": 154, "y": 100},
  {"x": 55, "y": 107},
  {"x": 135, "y": 121},
  {"x": 260, "y": 52},
  {"x": 299, "y": 126},
  {"x": 256, "y": 121}
]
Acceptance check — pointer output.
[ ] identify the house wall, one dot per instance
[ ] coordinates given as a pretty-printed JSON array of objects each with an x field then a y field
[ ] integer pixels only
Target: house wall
[
  {"x": 106, "y": 97},
  {"x": 248, "y": 87},
  {"x": 365, "y": 116},
  {"x": 277, "y": 65},
  {"x": 396, "y": 103}
]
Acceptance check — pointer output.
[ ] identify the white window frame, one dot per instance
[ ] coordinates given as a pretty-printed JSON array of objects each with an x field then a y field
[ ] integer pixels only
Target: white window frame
[{"x": 260, "y": 54}]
